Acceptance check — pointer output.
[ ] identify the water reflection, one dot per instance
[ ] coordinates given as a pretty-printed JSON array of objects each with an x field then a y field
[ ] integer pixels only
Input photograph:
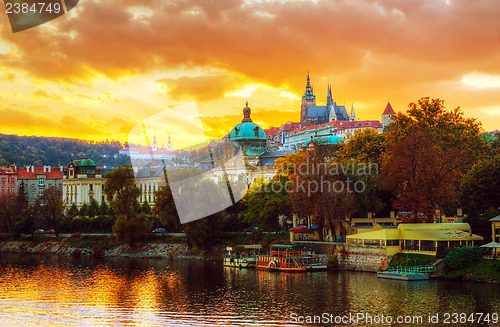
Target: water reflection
[{"x": 50, "y": 290}]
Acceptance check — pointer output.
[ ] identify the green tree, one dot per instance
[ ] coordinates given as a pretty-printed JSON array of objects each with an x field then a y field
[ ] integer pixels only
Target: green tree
[
  {"x": 93, "y": 208},
  {"x": 480, "y": 187},
  {"x": 366, "y": 146},
  {"x": 84, "y": 210},
  {"x": 104, "y": 209},
  {"x": 72, "y": 211},
  {"x": 266, "y": 201},
  {"x": 146, "y": 208},
  {"x": 122, "y": 192},
  {"x": 203, "y": 233}
]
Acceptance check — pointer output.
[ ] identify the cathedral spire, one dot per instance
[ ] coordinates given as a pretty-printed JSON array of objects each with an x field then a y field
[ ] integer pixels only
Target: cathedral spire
[
  {"x": 352, "y": 116},
  {"x": 309, "y": 94},
  {"x": 329, "y": 100}
]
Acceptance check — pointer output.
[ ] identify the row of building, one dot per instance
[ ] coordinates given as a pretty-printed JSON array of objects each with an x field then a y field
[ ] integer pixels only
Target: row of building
[{"x": 80, "y": 182}]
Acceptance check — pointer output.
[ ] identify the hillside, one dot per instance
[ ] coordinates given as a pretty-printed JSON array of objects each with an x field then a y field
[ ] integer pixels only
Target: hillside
[{"x": 54, "y": 151}]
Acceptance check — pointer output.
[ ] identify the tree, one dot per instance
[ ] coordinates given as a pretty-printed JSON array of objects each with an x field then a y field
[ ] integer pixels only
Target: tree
[
  {"x": 122, "y": 193},
  {"x": 366, "y": 146},
  {"x": 7, "y": 216},
  {"x": 84, "y": 210},
  {"x": 146, "y": 208},
  {"x": 104, "y": 209},
  {"x": 266, "y": 201},
  {"x": 480, "y": 187},
  {"x": 93, "y": 208},
  {"x": 72, "y": 211},
  {"x": 428, "y": 151},
  {"x": 319, "y": 187},
  {"x": 53, "y": 208},
  {"x": 203, "y": 233}
]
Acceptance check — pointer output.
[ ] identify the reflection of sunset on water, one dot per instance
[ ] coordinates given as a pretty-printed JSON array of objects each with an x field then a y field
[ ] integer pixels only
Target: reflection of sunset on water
[{"x": 61, "y": 291}]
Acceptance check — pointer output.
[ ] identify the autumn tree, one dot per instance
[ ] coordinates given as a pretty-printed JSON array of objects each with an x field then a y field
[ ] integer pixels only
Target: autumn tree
[
  {"x": 429, "y": 149},
  {"x": 320, "y": 189},
  {"x": 53, "y": 209}
]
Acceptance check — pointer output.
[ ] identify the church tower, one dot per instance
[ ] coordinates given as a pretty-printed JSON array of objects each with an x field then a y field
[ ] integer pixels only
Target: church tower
[
  {"x": 352, "y": 116},
  {"x": 169, "y": 146},
  {"x": 308, "y": 99},
  {"x": 155, "y": 145},
  {"x": 387, "y": 115}
]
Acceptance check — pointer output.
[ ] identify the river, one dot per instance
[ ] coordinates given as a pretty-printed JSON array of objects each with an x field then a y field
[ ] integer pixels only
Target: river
[{"x": 46, "y": 290}]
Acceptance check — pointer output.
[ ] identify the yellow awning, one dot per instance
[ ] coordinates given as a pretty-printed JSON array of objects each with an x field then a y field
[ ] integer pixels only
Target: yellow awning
[{"x": 441, "y": 235}]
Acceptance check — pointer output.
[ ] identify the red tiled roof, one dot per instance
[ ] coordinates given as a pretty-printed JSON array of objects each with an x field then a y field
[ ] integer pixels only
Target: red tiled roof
[
  {"x": 341, "y": 125},
  {"x": 388, "y": 110},
  {"x": 55, "y": 172},
  {"x": 271, "y": 130}
]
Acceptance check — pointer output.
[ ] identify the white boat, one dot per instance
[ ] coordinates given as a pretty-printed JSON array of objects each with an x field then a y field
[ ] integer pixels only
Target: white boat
[{"x": 240, "y": 260}]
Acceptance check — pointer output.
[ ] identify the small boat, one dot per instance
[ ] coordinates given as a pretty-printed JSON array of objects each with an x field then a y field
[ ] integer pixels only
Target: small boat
[
  {"x": 402, "y": 276},
  {"x": 240, "y": 260},
  {"x": 314, "y": 262},
  {"x": 290, "y": 258}
]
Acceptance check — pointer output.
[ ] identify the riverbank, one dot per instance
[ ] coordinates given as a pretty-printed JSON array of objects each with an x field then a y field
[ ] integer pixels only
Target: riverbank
[
  {"x": 107, "y": 248},
  {"x": 486, "y": 271},
  {"x": 102, "y": 245}
]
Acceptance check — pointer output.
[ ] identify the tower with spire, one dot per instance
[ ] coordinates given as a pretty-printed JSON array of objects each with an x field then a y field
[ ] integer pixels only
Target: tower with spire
[
  {"x": 352, "y": 115},
  {"x": 155, "y": 145},
  {"x": 169, "y": 146},
  {"x": 308, "y": 99},
  {"x": 329, "y": 99},
  {"x": 387, "y": 115}
]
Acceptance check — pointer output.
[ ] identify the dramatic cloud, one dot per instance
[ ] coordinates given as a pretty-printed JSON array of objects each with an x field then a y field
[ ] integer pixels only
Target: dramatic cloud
[{"x": 260, "y": 51}]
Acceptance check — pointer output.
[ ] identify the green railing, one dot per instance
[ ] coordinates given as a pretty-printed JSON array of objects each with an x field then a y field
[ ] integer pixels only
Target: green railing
[{"x": 412, "y": 269}]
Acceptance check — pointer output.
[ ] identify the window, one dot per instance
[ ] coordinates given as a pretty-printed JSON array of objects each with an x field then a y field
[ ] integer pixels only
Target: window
[
  {"x": 12, "y": 189},
  {"x": 3, "y": 189},
  {"x": 13, "y": 181},
  {"x": 41, "y": 182},
  {"x": 91, "y": 187},
  {"x": 32, "y": 186},
  {"x": 392, "y": 242},
  {"x": 428, "y": 245},
  {"x": 3, "y": 180},
  {"x": 40, "y": 191}
]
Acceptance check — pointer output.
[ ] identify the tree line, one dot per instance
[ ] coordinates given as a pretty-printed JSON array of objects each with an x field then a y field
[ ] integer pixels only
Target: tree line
[{"x": 429, "y": 161}]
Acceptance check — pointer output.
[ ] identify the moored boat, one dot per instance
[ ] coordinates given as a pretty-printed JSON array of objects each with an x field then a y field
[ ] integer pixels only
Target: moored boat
[
  {"x": 240, "y": 260},
  {"x": 290, "y": 258}
]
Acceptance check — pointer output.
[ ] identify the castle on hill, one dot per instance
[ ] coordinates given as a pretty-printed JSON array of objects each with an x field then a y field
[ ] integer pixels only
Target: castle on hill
[{"x": 311, "y": 113}]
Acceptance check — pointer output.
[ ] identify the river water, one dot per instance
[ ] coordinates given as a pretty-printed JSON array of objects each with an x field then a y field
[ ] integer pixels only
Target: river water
[{"x": 44, "y": 290}]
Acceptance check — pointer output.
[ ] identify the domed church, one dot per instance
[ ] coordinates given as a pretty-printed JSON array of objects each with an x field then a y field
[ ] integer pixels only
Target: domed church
[{"x": 247, "y": 135}]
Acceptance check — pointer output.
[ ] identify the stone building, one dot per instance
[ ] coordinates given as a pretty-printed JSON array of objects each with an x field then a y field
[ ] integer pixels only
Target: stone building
[
  {"x": 8, "y": 180},
  {"x": 82, "y": 182},
  {"x": 35, "y": 180},
  {"x": 311, "y": 113}
]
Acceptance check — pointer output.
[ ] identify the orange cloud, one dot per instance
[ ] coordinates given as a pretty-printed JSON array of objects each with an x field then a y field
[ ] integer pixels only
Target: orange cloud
[{"x": 368, "y": 50}]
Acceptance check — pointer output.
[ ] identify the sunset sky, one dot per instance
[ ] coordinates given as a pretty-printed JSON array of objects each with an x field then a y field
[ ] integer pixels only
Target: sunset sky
[{"x": 107, "y": 65}]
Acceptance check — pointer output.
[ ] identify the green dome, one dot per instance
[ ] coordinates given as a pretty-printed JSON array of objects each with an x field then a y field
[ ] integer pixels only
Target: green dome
[
  {"x": 248, "y": 131},
  {"x": 84, "y": 162}
]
